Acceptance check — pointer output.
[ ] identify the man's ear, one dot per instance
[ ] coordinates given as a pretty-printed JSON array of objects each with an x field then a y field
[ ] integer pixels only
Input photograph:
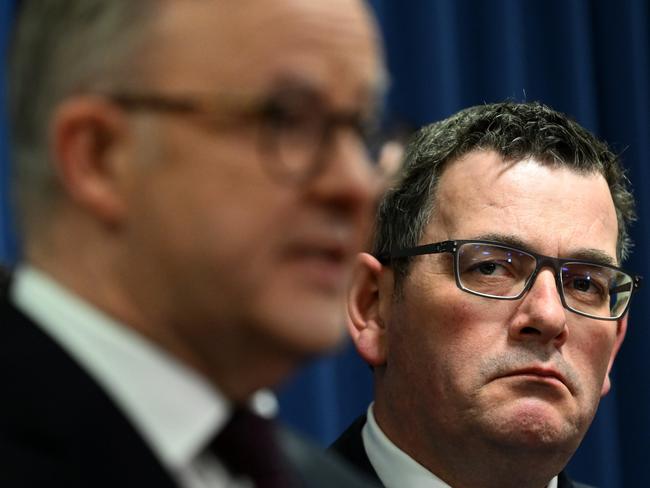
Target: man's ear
[
  {"x": 620, "y": 335},
  {"x": 87, "y": 135},
  {"x": 366, "y": 323}
]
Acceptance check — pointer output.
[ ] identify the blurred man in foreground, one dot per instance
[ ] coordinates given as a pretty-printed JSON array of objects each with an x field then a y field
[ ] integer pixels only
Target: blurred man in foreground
[
  {"x": 193, "y": 185},
  {"x": 493, "y": 305}
]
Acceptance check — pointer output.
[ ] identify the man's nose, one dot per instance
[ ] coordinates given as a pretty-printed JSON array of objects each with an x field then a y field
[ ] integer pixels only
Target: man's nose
[
  {"x": 540, "y": 316},
  {"x": 348, "y": 179}
]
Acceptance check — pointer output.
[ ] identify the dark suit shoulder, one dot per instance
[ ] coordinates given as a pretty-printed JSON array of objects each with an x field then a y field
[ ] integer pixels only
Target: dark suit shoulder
[
  {"x": 563, "y": 481},
  {"x": 57, "y": 426},
  {"x": 5, "y": 280},
  {"x": 318, "y": 469},
  {"x": 4, "y": 275},
  {"x": 349, "y": 446}
]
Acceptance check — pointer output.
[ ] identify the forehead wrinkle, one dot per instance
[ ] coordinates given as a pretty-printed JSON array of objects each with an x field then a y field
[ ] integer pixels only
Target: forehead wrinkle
[
  {"x": 596, "y": 212},
  {"x": 249, "y": 44},
  {"x": 343, "y": 32},
  {"x": 440, "y": 217},
  {"x": 592, "y": 253}
]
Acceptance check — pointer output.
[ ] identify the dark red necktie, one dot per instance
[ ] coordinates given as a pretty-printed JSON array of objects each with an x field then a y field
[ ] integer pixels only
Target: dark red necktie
[{"x": 248, "y": 445}]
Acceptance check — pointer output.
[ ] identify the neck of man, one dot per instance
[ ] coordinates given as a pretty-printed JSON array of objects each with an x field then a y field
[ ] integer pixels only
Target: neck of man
[{"x": 92, "y": 267}]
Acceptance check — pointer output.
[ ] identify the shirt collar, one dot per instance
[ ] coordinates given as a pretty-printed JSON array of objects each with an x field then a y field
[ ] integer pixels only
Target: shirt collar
[
  {"x": 394, "y": 467},
  {"x": 175, "y": 409}
]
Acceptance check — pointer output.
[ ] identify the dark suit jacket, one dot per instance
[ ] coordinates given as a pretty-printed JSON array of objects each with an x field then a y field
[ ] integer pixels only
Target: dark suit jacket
[
  {"x": 350, "y": 446},
  {"x": 58, "y": 428}
]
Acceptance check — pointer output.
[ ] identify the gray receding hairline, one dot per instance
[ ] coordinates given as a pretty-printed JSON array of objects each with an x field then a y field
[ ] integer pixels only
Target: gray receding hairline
[{"x": 60, "y": 48}]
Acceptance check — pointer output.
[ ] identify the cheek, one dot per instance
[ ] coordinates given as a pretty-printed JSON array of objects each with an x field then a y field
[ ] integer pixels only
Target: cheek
[
  {"x": 590, "y": 349},
  {"x": 469, "y": 325},
  {"x": 199, "y": 234},
  {"x": 218, "y": 188},
  {"x": 476, "y": 331},
  {"x": 444, "y": 335},
  {"x": 216, "y": 210}
]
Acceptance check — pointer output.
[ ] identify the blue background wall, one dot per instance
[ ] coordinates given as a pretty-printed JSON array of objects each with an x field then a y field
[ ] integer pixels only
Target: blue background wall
[
  {"x": 590, "y": 59},
  {"x": 7, "y": 240}
]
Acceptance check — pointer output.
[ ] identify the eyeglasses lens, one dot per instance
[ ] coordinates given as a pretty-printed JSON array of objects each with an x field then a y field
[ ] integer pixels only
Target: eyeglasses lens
[
  {"x": 494, "y": 270},
  {"x": 297, "y": 137},
  {"x": 503, "y": 272},
  {"x": 596, "y": 290},
  {"x": 298, "y": 130}
]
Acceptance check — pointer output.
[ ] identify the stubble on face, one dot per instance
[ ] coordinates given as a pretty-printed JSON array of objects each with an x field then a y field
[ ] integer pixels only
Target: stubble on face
[{"x": 527, "y": 423}]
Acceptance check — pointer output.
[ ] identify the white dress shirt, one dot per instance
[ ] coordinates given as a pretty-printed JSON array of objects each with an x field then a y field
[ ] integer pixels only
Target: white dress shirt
[
  {"x": 172, "y": 407},
  {"x": 395, "y": 468}
]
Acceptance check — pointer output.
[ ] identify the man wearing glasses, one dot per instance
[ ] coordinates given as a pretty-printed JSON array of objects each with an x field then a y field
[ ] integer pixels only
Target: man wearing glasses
[
  {"x": 493, "y": 304},
  {"x": 194, "y": 182}
]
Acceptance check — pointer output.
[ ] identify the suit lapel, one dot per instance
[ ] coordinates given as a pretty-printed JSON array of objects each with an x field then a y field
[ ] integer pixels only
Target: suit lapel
[
  {"x": 318, "y": 469},
  {"x": 60, "y": 419},
  {"x": 350, "y": 446}
]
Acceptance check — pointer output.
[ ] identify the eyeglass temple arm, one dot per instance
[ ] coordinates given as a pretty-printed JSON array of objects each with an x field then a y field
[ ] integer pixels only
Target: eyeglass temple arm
[
  {"x": 152, "y": 102},
  {"x": 216, "y": 108},
  {"x": 438, "y": 247},
  {"x": 634, "y": 285}
]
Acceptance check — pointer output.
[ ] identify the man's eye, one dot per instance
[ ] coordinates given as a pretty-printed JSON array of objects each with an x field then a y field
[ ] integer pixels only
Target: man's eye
[
  {"x": 581, "y": 284},
  {"x": 587, "y": 285},
  {"x": 487, "y": 268},
  {"x": 490, "y": 268},
  {"x": 285, "y": 116}
]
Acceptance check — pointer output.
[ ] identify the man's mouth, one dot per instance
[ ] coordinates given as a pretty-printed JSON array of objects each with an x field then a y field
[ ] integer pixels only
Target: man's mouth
[
  {"x": 327, "y": 265},
  {"x": 542, "y": 374}
]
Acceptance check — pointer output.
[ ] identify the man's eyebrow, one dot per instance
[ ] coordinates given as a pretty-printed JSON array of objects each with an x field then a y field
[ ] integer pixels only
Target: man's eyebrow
[
  {"x": 583, "y": 254},
  {"x": 594, "y": 255},
  {"x": 295, "y": 85},
  {"x": 300, "y": 94},
  {"x": 506, "y": 239},
  {"x": 372, "y": 95}
]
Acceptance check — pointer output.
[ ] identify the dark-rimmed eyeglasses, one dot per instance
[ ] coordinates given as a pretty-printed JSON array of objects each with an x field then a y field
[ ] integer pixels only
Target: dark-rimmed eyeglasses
[
  {"x": 493, "y": 270},
  {"x": 295, "y": 128}
]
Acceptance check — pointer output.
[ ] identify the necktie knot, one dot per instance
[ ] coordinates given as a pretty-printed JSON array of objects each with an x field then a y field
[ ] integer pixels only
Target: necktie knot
[{"x": 248, "y": 445}]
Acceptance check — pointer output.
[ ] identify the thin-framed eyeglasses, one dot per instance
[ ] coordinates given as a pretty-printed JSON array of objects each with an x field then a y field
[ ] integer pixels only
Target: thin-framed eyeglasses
[
  {"x": 494, "y": 270},
  {"x": 295, "y": 128}
]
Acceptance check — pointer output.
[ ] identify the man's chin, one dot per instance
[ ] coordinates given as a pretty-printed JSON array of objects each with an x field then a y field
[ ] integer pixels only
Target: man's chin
[{"x": 534, "y": 423}]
